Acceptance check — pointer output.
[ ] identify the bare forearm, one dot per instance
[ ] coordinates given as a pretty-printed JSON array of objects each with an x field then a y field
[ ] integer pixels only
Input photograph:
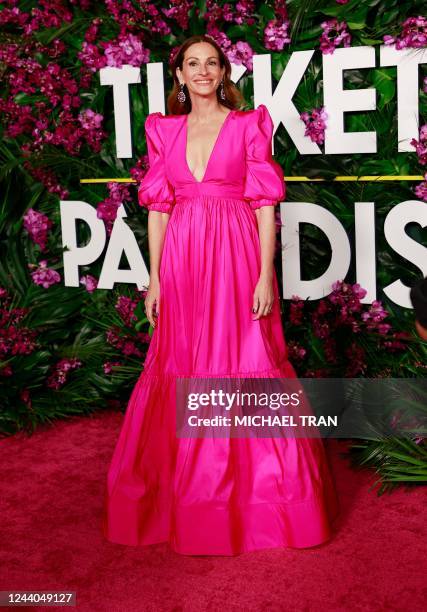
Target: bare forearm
[
  {"x": 267, "y": 236},
  {"x": 157, "y": 223}
]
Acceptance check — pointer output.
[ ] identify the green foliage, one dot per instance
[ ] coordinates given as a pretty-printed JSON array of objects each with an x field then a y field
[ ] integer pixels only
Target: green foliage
[
  {"x": 395, "y": 460},
  {"x": 69, "y": 323}
]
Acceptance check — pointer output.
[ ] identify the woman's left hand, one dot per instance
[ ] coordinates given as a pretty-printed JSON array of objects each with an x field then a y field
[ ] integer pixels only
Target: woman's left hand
[{"x": 263, "y": 297}]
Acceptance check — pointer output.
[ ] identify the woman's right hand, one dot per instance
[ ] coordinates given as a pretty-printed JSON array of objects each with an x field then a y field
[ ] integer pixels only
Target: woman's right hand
[{"x": 152, "y": 301}]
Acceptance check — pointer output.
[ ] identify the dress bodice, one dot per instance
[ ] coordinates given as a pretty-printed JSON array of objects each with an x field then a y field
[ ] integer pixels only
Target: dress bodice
[{"x": 240, "y": 164}]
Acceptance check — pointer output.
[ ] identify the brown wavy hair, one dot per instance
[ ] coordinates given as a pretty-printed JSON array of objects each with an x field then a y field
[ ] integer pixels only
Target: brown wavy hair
[{"x": 233, "y": 96}]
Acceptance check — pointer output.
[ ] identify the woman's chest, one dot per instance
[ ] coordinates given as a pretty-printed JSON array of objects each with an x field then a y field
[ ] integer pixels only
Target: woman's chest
[{"x": 224, "y": 161}]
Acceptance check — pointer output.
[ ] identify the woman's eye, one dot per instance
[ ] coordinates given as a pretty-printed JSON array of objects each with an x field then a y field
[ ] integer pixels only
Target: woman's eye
[{"x": 195, "y": 64}]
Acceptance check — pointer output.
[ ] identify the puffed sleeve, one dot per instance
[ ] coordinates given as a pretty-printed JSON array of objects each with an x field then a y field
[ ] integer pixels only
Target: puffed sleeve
[
  {"x": 155, "y": 191},
  {"x": 264, "y": 183}
]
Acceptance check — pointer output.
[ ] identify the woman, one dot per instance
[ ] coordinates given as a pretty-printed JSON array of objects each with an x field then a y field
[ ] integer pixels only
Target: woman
[{"x": 213, "y": 302}]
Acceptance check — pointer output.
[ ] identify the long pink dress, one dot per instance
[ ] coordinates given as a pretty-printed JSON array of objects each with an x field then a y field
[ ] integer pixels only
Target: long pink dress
[{"x": 213, "y": 496}]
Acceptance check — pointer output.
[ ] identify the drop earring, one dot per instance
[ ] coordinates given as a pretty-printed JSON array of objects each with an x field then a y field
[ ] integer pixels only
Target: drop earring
[
  {"x": 181, "y": 97},
  {"x": 221, "y": 91}
]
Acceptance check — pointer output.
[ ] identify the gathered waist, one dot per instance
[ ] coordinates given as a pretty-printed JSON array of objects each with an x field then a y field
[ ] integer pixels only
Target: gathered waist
[
  {"x": 197, "y": 190},
  {"x": 203, "y": 200}
]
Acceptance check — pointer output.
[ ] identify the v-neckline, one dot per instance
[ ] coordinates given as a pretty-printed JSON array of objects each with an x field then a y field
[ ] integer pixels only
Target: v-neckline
[{"x": 221, "y": 129}]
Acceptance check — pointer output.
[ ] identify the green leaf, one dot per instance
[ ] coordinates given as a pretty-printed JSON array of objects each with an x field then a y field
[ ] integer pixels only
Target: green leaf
[
  {"x": 266, "y": 11},
  {"x": 356, "y": 25}
]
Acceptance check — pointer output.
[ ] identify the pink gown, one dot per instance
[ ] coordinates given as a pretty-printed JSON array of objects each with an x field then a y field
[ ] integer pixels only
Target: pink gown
[{"x": 213, "y": 496}]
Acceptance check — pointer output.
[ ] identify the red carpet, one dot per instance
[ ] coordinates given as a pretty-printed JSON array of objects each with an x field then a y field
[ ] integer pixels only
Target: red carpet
[{"x": 52, "y": 491}]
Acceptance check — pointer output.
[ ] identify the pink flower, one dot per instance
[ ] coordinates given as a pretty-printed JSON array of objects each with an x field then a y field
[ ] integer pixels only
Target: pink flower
[
  {"x": 6, "y": 370},
  {"x": 125, "y": 343},
  {"x": 240, "y": 13},
  {"x": 24, "y": 395},
  {"x": 220, "y": 37},
  {"x": 125, "y": 307},
  {"x": 37, "y": 225},
  {"x": 140, "y": 169},
  {"x": 129, "y": 348},
  {"x": 90, "y": 120},
  {"x": 16, "y": 340},
  {"x": 90, "y": 282},
  {"x": 238, "y": 53},
  {"x": 315, "y": 124},
  {"x": 414, "y": 34},
  {"x": 48, "y": 14},
  {"x": 107, "y": 209},
  {"x": 421, "y": 145},
  {"x": 344, "y": 294},
  {"x": 145, "y": 338},
  {"x": 13, "y": 16},
  {"x": 330, "y": 349},
  {"x": 374, "y": 316},
  {"x": 91, "y": 57},
  {"x": 296, "y": 352},
  {"x": 47, "y": 178},
  {"x": 356, "y": 360},
  {"x": 394, "y": 345},
  {"x": 241, "y": 53},
  {"x": 17, "y": 118},
  {"x": 296, "y": 313},
  {"x": 60, "y": 372},
  {"x": 45, "y": 276},
  {"x": 334, "y": 33},
  {"x": 108, "y": 366},
  {"x": 51, "y": 119},
  {"x": 276, "y": 35},
  {"x": 128, "y": 15},
  {"x": 128, "y": 49},
  {"x": 421, "y": 189},
  {"x": 179, "y": 11}
]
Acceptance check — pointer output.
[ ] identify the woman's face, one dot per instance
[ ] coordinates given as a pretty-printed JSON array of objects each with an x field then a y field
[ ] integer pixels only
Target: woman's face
[{"x": 201, "y": 70}]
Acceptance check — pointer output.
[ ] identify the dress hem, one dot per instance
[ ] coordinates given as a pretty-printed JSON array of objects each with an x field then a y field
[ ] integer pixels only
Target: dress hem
[{"x": 200, "y": 529}]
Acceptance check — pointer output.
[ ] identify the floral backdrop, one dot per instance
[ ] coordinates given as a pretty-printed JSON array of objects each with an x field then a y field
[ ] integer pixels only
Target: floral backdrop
[{"x": 66, "y": 351}]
